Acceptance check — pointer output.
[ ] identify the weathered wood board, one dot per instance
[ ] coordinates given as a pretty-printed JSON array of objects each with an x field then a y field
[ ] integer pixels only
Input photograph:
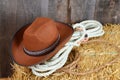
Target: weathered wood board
[{"x": 16, "y": 13}]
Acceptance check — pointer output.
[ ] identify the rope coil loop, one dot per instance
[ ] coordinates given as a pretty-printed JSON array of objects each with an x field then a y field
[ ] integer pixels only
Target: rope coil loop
[{"x": 83, "y": 31}]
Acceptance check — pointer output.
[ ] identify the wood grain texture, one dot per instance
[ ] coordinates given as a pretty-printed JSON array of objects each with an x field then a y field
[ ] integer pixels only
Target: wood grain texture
[
  {"x": 89, "y": 9},
  {"x": 105, "y": 11},
  {"x": 61, "y": 13},
  {"x": 77, "y": 9},
  {"x": 82, "y": 10},
  {"x": 7, "y": 22},
  {"x": 52, "y": 7},
  {"x": 16, "y": 13},
  {"x": 57, "y": 10},
  {"x": 44, "y": 8},
  {"x": 108, "y": 11}
]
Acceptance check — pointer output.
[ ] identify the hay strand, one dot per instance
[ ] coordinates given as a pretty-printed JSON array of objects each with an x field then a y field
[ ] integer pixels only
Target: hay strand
[{"x": 86, "y": 57}]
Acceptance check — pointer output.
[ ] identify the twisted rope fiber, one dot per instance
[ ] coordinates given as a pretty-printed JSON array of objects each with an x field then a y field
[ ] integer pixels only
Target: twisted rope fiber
[{"x": 83, "y": 31}]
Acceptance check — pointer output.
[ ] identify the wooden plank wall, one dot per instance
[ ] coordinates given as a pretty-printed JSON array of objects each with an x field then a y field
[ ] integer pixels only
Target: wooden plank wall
[{"x": 16, "y": 13}]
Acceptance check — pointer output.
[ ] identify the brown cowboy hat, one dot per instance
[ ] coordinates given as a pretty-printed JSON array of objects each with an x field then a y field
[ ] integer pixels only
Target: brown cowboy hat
[{"x": 39, "y": 41}]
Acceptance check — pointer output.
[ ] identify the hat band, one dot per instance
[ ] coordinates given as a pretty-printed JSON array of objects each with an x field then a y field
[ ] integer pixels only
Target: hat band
[{"x": 44, "y": 51}]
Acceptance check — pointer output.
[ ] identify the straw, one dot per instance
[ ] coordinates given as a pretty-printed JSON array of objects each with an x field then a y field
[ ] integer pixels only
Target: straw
[{"x": 89, "y": 56}]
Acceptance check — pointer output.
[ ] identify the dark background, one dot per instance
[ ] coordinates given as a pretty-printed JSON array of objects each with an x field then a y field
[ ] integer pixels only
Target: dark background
[{"x": 16, "y": 13}]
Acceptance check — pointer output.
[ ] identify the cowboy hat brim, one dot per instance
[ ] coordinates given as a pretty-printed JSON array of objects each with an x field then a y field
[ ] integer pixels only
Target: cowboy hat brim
[{"x": 21, "y": 58}]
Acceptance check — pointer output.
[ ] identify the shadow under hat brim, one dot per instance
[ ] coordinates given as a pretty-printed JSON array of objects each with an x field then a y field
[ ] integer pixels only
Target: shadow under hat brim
[{"x": 21, "y": 58}]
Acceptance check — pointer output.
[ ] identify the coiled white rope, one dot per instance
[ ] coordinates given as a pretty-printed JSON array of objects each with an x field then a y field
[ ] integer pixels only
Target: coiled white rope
[{"x": 83, "y": 31}]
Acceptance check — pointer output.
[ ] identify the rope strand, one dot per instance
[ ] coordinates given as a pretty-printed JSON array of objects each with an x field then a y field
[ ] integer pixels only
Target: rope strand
[{"x": 83, "y": 31}]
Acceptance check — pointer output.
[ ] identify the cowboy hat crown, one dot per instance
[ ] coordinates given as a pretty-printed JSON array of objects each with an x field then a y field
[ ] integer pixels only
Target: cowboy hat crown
[{"x": 40, "y": 35}]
